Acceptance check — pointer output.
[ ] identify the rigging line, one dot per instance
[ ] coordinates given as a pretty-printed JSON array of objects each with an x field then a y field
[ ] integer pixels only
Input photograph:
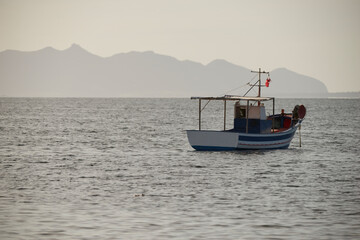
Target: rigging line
[
  {"x": 254, "y": 91},
  {"x": 205, "y": 105},
  {"x": 252, "y": 86},
  {"x": 239, "y": 87},
  {"x": 236, "y": 88},
  {"x": 255, "y": 75},
  {"x": 249, "y": 91}
]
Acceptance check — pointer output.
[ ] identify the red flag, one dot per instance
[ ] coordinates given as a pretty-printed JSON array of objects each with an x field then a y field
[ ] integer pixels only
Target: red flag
[{"x": 267, "y": 82}]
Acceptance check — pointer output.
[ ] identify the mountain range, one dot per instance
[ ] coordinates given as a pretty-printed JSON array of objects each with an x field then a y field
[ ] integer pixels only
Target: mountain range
[{"x": 74, "y": 72}]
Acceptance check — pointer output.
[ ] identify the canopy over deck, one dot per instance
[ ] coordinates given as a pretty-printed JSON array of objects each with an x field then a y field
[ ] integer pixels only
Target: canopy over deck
[{"x": 235, "y": 98}]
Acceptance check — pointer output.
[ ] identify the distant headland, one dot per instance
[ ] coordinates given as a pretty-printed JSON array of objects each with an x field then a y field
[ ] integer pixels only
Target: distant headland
[{"x": 74, "y": 72}]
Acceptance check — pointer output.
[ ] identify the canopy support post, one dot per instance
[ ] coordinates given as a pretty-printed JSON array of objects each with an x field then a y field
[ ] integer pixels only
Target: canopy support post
[
  {"x": 224, "y": 115},
  {"x": 300, "y": 134},
  {"x": 273, "y": 122},
  {"x": 247, "y": 116},
  {"x": 199, "y": 114}
]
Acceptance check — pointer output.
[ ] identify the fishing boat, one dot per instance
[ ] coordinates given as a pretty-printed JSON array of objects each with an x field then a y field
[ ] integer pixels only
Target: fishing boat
[{"x": 252, "y": 129}]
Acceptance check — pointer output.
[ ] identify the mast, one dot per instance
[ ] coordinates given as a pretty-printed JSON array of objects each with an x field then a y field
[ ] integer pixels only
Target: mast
[
  {"x": 259, "y": 94},
  {"x": 259, "y": 81}
]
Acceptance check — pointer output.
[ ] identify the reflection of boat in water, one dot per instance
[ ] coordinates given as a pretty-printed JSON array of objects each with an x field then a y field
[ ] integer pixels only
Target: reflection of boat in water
[{"x": 252, "y": 128}]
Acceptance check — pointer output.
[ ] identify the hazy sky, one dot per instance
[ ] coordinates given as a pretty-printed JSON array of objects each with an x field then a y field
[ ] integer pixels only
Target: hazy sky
[{"x": 318, "y": 38}]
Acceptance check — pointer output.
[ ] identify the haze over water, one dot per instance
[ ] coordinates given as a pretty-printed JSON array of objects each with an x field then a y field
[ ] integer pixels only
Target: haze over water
[{"x": 123, "y": 169}]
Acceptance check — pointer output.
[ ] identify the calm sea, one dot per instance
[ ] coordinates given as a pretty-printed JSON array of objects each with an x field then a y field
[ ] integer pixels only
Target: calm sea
[{"x": 123, "y": 169}]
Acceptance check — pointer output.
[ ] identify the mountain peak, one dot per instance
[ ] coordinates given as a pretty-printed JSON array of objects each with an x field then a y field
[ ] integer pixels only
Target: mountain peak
[
  {"x": 75, "y": 47},
  {"x": 225, "y": 65},
  {"x": 49, "y": 49},
  {"x": 79, "y": 51},
  {"x": 219, "y": 62}
]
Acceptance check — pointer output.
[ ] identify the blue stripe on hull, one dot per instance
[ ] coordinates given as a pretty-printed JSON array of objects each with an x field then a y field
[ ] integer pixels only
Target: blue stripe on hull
[
  {"x": 264, "y": 138},
  {"x": 273, "y": 148},
  {"x": 282, "y": 145},
  {"x": 211, "y": 148},
  {"x": 271, "y": 141}
]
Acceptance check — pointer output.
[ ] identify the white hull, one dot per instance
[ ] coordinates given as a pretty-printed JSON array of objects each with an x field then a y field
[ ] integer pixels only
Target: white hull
[{"x": 228, "y": 140}]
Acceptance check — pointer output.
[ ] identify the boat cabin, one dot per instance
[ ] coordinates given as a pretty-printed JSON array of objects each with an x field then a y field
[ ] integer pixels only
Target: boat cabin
[{"x": 251, "y": 119}]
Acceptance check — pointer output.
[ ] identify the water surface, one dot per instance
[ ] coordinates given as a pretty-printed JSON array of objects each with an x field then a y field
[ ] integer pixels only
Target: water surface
[{"x": 123, "y": 169}]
